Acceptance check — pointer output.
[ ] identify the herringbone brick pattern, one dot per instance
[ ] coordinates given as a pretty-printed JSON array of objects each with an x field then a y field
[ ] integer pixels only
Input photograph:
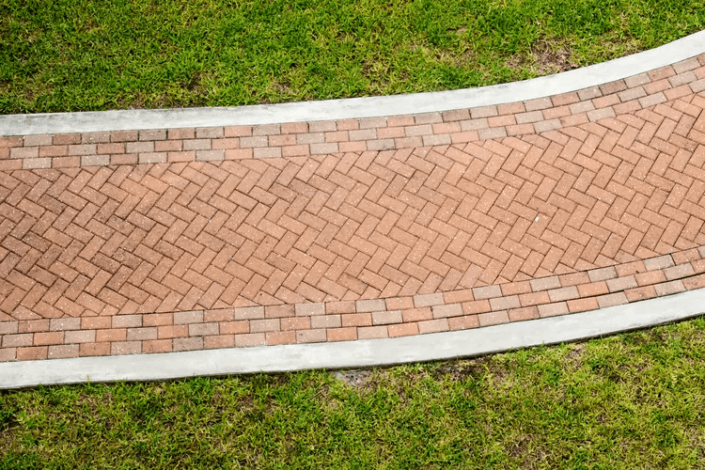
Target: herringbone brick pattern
[
  {"x": 126, "y": 239},
  {"x": 368, "y": 226}
]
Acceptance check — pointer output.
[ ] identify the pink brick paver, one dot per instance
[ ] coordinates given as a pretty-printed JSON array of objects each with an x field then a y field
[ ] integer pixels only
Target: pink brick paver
[{"x": 149, "y": 241}]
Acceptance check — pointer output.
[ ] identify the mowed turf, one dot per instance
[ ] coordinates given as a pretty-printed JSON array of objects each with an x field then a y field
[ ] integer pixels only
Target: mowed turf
[
  {"x": 70, "y": 55},
  {"x": 631, "y": 401}
]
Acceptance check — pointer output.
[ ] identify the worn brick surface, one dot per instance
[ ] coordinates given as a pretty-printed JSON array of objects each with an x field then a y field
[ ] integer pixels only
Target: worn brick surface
[{"x": 356, "y": 229}]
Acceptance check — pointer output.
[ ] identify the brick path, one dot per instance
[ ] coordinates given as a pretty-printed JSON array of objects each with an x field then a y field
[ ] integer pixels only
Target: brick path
[{"x": 155, "y": 241}]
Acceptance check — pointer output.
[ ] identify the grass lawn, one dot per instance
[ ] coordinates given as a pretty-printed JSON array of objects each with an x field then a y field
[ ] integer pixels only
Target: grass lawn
[
  {"x": 631, "y": 401},
  {"x": 70, "y": 55}
]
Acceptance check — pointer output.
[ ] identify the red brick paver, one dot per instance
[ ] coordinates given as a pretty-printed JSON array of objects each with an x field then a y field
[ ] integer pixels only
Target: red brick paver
[{"x": 171, "y": 240}]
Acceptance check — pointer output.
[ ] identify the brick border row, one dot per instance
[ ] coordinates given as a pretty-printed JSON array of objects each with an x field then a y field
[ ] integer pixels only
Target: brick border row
[
  {"x": 247, "y": 326},
  {"x": 355, "y": 135}
]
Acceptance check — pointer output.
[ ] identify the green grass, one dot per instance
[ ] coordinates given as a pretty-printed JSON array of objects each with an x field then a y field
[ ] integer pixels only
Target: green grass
[
  {"x": 70, "y": 55},
  {"x": 631, "y": 401}
]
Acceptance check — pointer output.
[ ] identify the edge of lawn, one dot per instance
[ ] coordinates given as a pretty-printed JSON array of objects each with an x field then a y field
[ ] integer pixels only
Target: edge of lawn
[{"x": 353, "y": 108}]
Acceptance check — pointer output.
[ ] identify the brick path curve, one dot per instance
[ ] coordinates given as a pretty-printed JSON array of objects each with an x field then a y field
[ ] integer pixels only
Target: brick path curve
[{"x": 165, "y": 240}]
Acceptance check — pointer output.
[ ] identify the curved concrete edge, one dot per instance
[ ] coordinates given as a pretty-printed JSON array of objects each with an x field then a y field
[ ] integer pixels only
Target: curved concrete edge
[
  {"x": 354, "y": 108},
  {"x": 368, "y": 353}
]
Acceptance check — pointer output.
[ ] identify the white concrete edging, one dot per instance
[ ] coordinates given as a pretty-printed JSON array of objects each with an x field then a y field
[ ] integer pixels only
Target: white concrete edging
[
  {"x": 368, "y": 353},
  {"x": 617, "y": 69}
]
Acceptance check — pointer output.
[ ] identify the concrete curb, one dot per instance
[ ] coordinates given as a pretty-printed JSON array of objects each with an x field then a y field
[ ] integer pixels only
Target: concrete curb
[
  {"x": 367, "y": 353},
  {"x": 28, "y": 124}
]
